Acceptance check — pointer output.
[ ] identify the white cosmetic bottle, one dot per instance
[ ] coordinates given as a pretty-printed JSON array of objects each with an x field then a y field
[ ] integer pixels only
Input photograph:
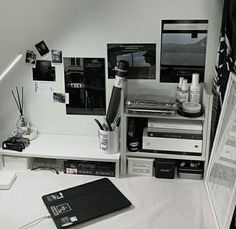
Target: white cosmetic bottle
[
  {"x": 195, "y": 89},
  {"x": 184, "y": 93},
  {"x": 178, "y": 91}
]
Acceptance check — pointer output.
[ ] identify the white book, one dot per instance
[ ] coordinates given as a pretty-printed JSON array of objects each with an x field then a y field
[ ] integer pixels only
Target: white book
[{"x": 174, "y": 124}]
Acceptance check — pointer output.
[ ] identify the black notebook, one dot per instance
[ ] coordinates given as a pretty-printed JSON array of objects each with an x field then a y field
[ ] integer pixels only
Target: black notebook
[{"x": 84, "y": 202}]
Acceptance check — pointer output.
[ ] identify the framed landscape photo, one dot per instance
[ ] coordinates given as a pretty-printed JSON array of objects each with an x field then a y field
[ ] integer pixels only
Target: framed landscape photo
[
  {"x": 221, "y": 175},
  {"x": 183, "y": 49}
]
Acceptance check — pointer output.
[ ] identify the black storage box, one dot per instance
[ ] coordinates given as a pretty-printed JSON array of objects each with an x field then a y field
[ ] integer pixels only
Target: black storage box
[
  {"x": 164, "y": 168},
  {"x": 191, "y": 170}
]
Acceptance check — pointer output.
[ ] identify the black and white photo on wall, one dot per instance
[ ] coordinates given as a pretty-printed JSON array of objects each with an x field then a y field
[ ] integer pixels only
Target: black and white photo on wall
[
  {"x": 141, "y": 58},
  {"x": 60, "y": 97},
  {"x": 56, "y": 57},
  {"x": 44, "y": 71},
  {"x": 42, "y": 48},
  {"x": 30, "y": 58},
  {"x": 183, "y": 49},
  {"x": 85, "y": 84}
]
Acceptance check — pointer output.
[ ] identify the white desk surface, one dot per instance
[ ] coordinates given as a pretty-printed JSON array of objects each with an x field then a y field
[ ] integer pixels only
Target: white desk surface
[
  {"x": 64, "y": 147},
  {"x": 157, "y": 203}
]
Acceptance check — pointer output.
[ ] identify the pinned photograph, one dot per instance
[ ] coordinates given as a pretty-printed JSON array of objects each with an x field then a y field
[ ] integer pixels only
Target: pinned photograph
[
  {"x": 61, "y": 97},
  {"x": 30, "y": 58},
  {"x": 42, "y": 48},
  {"x": 56, "y": 57},
  {"x": 44, "y": 71}
]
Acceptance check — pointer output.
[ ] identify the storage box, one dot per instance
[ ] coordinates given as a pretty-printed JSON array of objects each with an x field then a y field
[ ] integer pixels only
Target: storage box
[
  {"x": 140, "y": 166},
  {"x": 191, "y": 170},
  {"x": 165, "y": 168},
  {"x": 13, "y": 162}
]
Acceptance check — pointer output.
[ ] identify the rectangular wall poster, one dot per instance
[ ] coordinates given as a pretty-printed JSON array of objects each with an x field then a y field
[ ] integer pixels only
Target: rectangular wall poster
[
  {"x": 183, "y": 49},
  {"x": 85, "y": 84},
  {"x": 141, "y": 59}
]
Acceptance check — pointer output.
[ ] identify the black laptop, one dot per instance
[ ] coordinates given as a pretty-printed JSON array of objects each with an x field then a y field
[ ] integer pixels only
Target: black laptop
[{"x": 84, "y": 202}]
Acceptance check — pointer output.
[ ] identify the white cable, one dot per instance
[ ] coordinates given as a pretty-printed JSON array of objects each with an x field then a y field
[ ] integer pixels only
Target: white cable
[{"x": 35, "y": 222}]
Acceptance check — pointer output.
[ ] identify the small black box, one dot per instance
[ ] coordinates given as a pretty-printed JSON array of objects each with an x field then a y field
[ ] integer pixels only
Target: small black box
[{"x": 164, "y": 168}]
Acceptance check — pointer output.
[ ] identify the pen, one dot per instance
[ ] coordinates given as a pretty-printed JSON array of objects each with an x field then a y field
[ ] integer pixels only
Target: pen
[
  {"x": 118, "y": 122},
  {"x": 99, "y": 124},
  {"x": 109, "y": 125}
]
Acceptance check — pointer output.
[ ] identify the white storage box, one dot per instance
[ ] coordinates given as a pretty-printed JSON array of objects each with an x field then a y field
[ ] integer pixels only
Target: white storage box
[
  {"x": 140, "y": 166},
  {"x": 13, "y": 162}
]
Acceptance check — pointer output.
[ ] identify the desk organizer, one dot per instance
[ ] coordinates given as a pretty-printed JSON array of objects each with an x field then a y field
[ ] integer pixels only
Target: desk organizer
[
  {"x": 164, "y": 168},
  {"x": 140, "y": 166},
  {"x": 109, "y": 140},
  {"x": 191, "y": 170}
]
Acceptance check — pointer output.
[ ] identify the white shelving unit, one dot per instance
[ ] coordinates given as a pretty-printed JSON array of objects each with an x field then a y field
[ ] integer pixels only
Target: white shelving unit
[
  {"x": 205, "y": 119},
  {"x": 65, "y": 147}
]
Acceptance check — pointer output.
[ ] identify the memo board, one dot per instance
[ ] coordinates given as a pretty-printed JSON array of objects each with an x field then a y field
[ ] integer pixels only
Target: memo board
[{"x": 221, "y": 175}]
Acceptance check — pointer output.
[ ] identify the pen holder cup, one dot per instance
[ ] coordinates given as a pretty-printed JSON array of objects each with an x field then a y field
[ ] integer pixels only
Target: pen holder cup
[{"x": 109, "y": 140}]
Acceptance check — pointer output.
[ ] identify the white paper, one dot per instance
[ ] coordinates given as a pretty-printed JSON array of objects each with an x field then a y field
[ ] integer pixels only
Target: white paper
[{"x": 44, "y": 87}]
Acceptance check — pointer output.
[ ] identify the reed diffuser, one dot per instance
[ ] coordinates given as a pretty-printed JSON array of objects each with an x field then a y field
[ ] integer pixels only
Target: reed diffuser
[{"x": 22, "y": 125}]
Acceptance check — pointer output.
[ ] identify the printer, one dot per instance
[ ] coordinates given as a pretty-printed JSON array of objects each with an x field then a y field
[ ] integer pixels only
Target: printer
[{"x": 173, "y": 137}]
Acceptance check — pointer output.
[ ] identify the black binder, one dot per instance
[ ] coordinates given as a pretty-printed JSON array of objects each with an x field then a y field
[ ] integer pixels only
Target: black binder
[{"x": 84, "y": 202}]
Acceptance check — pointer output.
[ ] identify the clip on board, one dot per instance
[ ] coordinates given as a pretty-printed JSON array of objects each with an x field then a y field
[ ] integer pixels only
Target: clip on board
[{"x": 84, "y": 202}]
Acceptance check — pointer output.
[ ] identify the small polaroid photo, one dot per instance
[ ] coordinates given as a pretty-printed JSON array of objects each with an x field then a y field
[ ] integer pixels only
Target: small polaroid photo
[
  {"x": 56, "y": 57},
  {"x": 60, "y": 97},
  {"x": 42, "y": 48},
  {"x": 30, "y": 58}
]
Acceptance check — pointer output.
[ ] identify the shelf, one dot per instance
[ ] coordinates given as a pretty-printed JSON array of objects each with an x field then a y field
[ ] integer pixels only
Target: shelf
[
  {"x": 177, "y": 116},
  {"x": 168, "y": 156},
  {"x": 65, "y": 147}
]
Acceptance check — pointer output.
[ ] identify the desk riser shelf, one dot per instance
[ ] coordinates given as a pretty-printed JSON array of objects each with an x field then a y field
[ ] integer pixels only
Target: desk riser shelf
[{"x": 205, "y": 119}]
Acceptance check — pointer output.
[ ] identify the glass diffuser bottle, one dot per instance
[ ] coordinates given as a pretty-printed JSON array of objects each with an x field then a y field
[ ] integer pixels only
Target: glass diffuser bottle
[{"x": 22, "y": 124}]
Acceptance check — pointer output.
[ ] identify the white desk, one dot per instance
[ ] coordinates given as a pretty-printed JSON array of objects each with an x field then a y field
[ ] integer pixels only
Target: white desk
[
  {"x": 66, "y": 147},
  {"x": 158, "y": 204}
]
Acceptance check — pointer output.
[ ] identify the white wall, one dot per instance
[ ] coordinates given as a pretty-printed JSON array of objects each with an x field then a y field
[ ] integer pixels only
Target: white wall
[{"x": 82, "y": 28}]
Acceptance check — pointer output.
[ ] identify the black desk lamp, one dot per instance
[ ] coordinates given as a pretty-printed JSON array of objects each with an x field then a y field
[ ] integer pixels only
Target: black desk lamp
[{"x": 121, "y": 73}]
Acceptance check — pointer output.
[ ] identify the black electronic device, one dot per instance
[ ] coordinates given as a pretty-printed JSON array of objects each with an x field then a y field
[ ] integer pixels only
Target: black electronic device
[
  {"x": 134, "y": 133},
  {"x": 85, "y": 202},
  {"x": 121, "y": 73},
  {"x": 13, "y": 146},
  {"x": 165, "y": 168}
]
